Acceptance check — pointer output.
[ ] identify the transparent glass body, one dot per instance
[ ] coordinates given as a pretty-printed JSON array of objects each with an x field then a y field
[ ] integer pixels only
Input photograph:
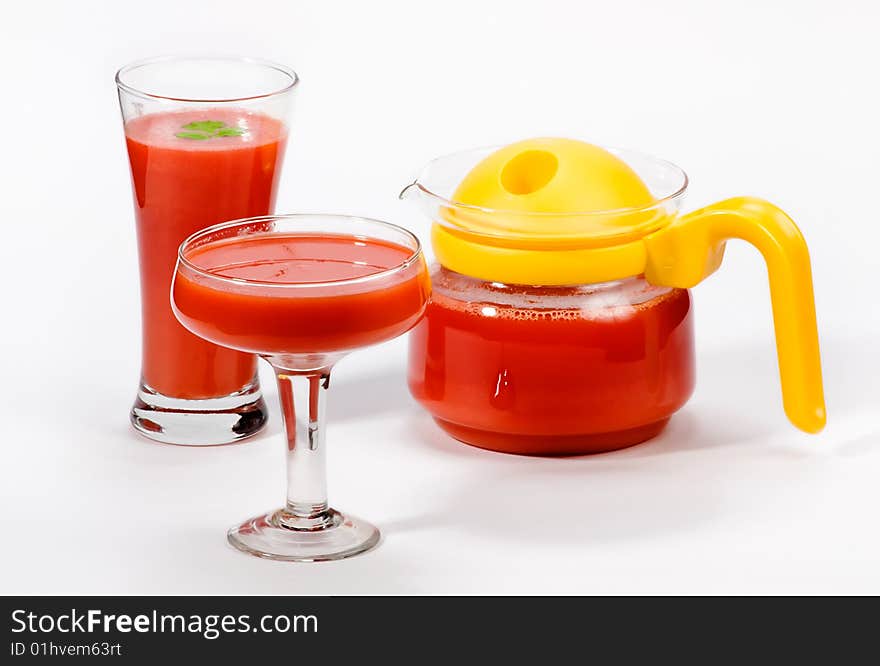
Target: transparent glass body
[
  {"x": 205, "y": 138},
  {"x": 301, "y": 291},
  {"x": 552, "y": 370}
]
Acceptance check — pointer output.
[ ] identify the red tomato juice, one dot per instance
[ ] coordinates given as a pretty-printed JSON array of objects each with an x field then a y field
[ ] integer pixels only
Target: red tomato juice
[
  {"x": 279, "y": 293},
  {"x": 182, "y": 185},
  {"x": 553, "y": 381}
]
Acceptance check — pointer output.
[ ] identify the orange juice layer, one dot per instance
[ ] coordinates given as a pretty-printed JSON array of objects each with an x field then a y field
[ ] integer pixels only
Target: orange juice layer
[
  {"x": 181, "y": 186},
  {"x": 307, "y": 293},
  {"x": 559, "y": 379}
]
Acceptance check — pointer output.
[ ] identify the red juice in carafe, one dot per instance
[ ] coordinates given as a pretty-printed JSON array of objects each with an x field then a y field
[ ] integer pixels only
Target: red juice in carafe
[
  {"x": 552, "y": 370},
  {"x": 182, "y": 185}
]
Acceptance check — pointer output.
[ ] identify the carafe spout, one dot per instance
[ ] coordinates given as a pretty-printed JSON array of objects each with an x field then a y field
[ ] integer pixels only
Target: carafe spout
[{"x": 409, "y": 191}]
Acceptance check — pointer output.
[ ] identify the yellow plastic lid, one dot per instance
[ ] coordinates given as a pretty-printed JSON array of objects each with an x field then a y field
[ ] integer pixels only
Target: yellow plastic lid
[{"x": 552, "y": 211}]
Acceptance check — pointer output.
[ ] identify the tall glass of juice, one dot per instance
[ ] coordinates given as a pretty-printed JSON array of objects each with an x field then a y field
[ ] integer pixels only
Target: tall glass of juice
[{"x": 206, "y": 138}]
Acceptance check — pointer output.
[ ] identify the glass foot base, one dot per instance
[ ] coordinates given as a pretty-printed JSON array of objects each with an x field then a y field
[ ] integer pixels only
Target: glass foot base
[
  {"x": 207, "y": 422},
  {"x": 553, "y": 445},
  {"x": 333, "y": 536}
]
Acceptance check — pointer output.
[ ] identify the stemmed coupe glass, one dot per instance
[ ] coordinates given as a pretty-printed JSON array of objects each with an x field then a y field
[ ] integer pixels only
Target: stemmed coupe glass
[{"x": 301, "y": 291}]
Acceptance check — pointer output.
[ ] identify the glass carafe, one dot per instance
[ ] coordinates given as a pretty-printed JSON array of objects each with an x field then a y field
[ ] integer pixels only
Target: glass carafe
[{"x": 563, "y": 334}]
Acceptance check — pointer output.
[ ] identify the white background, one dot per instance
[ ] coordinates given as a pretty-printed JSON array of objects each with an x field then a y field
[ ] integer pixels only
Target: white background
[{"x": 771, "y": 98}]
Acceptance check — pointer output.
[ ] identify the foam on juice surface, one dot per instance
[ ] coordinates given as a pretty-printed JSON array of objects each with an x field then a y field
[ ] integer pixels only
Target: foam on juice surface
[
  {"x": 607, "y": 300},
  {"x": 162, "y": 129}
]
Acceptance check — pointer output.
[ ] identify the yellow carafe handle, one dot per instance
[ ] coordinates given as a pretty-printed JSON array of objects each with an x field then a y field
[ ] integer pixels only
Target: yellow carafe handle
[{"x": 691, "y": 248}]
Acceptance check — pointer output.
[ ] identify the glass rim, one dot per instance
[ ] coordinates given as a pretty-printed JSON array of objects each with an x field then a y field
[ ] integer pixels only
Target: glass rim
[
  {"x": 679, "y": 191},
  {"x": 144, "y": 62},
  {"x": 415, "y": 255}
]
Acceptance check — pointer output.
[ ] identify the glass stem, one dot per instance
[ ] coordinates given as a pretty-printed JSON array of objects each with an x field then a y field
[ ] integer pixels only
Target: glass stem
[{"x": 303, "y": 399}]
